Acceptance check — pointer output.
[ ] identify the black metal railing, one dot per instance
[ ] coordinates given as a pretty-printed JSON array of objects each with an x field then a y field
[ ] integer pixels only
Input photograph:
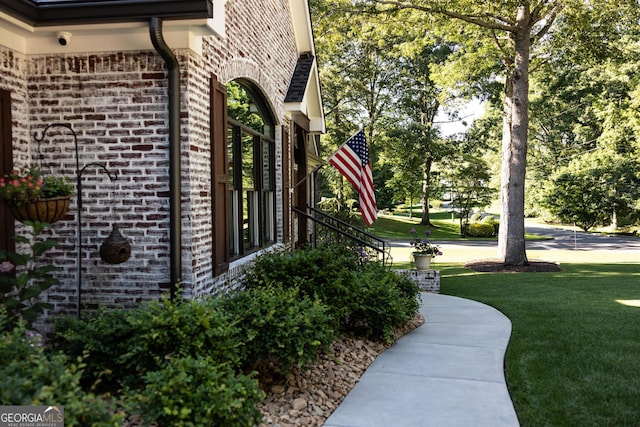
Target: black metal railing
[{"x": 331, "y": 230}]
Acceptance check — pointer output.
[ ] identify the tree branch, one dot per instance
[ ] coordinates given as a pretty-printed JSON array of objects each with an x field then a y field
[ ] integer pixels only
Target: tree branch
[
  {"x": 502, "y": 24},
  {"x": 555, "y": 11}
]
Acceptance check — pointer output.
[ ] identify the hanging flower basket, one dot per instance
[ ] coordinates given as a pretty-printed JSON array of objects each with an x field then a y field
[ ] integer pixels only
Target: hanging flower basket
[
  {"x": 47, "y": 210},
  {"x": 32, "y": 196}
]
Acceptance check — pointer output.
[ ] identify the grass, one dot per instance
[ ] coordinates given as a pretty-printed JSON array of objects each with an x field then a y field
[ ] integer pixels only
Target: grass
[
  {"x": 396, "y": 227},
  {"x": 574, "y": 353}
]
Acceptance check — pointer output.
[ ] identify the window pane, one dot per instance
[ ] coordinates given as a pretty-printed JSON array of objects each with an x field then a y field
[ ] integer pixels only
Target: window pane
[
  {"x": 250, "y": 220},
  {"x": 268, "y": 216},
  {"x": 248, "y": 181},
  {"x": 234, "y": 238},
  {"x": 267, "y": 165},
  {"x": 242, "y": 108},
  {"x": 230, "y": 156}
]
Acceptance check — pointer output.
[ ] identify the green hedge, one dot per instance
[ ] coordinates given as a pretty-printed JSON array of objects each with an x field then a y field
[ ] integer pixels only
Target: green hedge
[
  {"x": 194, "y": 391},
  {"x": 480, "y": 229},
  {"x": 31, "y": 376},
  {"x": 366, "y": 299},
  {"x": 124, "y": 344},
  {"x": 279, "y": 328},
  {"x": 190, "y": 363}
]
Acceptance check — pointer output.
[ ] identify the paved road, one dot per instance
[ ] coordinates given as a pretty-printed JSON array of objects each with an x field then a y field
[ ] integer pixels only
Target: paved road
[
  {"x": 570, "y": 239},
  {"x": 560, "y": 238},
  {"x": 563, "y": 245}
]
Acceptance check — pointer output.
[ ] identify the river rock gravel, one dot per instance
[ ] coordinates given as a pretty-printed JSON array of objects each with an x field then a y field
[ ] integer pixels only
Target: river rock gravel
[{"x": 308, "y": 396}]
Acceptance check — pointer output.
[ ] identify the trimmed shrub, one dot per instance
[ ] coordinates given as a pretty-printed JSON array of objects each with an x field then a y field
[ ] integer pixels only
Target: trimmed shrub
[
  {"x": 325, "y": 273},
  {"x": 279, "y": 327},
  {"x": 102, "y": 337},
  {"x": 383, "y": 301},
  {"x": 193, "y": 392},
  {"x": 123, "y": 344},
  {"x": 182, "y": 328},
  {"x": 480, "y": 229},
  {"x": 489, "y": 219},
  {"x": 30, "y": 376},
  {"x": 367, "y": 299}
]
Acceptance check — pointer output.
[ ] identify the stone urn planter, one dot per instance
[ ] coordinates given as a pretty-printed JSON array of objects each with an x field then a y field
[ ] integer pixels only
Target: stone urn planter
[{"x": 423, "y": 261}]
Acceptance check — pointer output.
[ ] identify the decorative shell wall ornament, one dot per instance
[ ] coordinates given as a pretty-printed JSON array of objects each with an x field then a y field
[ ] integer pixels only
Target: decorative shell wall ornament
[{"x": 116, "y": 249}]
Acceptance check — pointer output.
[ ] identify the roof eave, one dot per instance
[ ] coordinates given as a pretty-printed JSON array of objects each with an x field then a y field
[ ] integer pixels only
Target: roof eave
[{"x": 90, "y": 12}]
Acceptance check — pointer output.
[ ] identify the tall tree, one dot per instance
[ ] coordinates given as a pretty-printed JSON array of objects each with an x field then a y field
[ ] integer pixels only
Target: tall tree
[
  {"x": 357, "y": 72},
  {"x": 415, "y": 142},
  {"x": 513, "y": 26},
  {"x": 596, "y": 189},
  {"x": 585, "y": 94}
]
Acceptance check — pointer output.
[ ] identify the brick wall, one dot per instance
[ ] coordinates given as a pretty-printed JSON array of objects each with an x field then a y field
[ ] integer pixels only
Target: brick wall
[
  {"x": 427, "y": 280},
  {"x": 116, "y": 103},
  {"x": 13, "y": 69}
]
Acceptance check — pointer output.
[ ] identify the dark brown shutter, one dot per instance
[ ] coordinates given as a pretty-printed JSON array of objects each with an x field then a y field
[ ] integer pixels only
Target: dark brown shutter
[
  {"x": 219, "y": 178},
  {"x": 7, "y": 226},
  {"x": 286, "y": 185}
]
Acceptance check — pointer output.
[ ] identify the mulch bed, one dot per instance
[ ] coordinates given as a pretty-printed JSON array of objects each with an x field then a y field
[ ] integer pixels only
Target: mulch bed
[{"x": 496, "y": 266}]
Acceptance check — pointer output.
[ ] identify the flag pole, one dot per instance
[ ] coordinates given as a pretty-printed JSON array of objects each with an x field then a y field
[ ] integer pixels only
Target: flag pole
[{"x": 304, "y": 178}]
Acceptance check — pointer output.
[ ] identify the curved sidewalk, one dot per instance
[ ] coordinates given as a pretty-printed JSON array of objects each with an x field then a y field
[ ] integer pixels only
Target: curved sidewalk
[{"x": 446, "y": 373}]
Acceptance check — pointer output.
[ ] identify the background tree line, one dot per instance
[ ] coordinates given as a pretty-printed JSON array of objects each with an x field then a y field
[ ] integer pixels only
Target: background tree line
[{"x": 559, "y": 83}]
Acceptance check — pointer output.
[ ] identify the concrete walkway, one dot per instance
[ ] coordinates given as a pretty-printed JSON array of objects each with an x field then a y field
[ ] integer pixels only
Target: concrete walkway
[{"x": 446, "y": 373}]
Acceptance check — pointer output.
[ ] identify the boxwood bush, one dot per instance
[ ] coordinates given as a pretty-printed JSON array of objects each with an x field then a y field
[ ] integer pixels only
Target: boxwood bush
[
  {"x": 481, "y": 229},
  {"x": 280, "y": 328},
  {"x": 383, "y": 301},
  {"x": 124, "y": 344},
  {"x": 325, "y": 273},
  {"x": 196, "y": 391},
  {"x": 367, "y": 299},
  {"x": 31, "y": 376}
]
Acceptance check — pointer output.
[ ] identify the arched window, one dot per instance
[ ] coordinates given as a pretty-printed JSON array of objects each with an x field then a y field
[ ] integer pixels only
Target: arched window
[{"x": 251, "y": 169}]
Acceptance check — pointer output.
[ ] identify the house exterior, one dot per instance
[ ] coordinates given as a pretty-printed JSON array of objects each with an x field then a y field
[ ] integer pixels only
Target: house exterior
[{"x": 207, "y": 112}]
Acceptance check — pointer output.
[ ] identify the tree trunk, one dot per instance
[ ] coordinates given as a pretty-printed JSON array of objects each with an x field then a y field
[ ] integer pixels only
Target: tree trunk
[
  {"x": 426, "y": 185},
  {"x": 511, "y": 244}
]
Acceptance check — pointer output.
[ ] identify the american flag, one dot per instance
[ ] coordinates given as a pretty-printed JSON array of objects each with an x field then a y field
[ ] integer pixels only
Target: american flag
[{"x": 352, "y": 161}]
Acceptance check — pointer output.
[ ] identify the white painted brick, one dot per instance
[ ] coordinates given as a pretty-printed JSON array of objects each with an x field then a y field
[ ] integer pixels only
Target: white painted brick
[{"x": 117, "y": 104}]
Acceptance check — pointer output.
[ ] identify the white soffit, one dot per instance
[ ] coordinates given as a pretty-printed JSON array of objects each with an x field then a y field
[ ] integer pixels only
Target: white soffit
[
  {"x": 300, "y": 16},
  {"x": 182, "y": 34}
]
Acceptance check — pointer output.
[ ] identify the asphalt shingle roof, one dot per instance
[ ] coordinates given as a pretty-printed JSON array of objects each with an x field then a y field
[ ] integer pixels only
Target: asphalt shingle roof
[{"x": 300, "y": 78}]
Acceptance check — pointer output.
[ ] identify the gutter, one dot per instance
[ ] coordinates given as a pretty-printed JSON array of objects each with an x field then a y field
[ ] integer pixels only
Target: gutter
[{"x": 175, "y": 182}]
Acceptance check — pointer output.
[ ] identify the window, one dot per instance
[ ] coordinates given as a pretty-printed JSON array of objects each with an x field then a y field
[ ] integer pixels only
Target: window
[{"x": 251, "y": 169}]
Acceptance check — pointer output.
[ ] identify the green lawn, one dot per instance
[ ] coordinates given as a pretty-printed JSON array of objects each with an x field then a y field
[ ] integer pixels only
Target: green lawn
[
  {"x": 397, "y": 227},
  {"x": 574, "y": 354}
]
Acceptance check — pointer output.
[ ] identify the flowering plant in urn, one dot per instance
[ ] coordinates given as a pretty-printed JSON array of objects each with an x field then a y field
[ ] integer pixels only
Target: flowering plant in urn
[{"x": 423, "y": 246}]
